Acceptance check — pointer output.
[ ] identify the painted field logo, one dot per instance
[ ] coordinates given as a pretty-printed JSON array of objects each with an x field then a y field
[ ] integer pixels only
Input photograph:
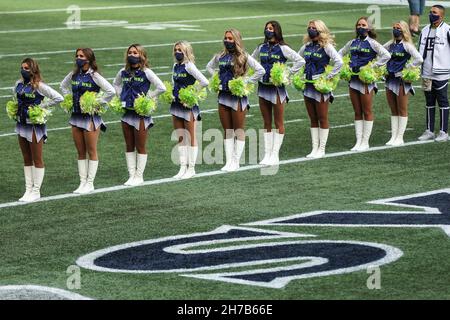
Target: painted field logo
[{"x": 251, "y": 256}]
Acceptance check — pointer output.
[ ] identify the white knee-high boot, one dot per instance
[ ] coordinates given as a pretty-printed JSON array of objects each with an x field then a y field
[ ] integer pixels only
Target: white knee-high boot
[
  {"x": 130, "y": 158},
  {"x": 394, "y": 130},
  {"x": 140, "y": 167},
  {"x": 315, "y": 142},
  {"x": 268, "y": 146},
  {"x": 323, "y": 137},
  {"x": 192, "y": 155},
  {"x": 83, "y": 172},
  {"x": 92, "y": 172},
  {"x": 28, "y": 173},
  {"x": 229, "y": 151},
  {"x": 183, "y": 156},
  {"x": 367, "y": 131},
  {"x": 38, "y": 177},
  {"x": 402, "y": 123},
  {"x": 277, "y": 142},
  {"x": 359, "y": 124},
  {"x": 239, "y": 147}
]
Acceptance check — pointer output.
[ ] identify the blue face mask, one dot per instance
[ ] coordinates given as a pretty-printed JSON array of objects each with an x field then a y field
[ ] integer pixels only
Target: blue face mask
[
  {"x": 179, "y": 56},
  {"x": 397, "y": 33},
  {"x": 81, "y": 62},
  {"x": 269, "y": 34},
  {"x": 362, "y": 31},
  {"x": 229, "y": 45},
  {"x": 312, "y": 33},
  {"x": 133, "y": 60},
  {"x": 433, "y": 18},
  {"x": 26, "y": 75}
]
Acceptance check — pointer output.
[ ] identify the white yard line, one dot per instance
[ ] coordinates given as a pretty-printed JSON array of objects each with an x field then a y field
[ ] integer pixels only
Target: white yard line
[
  {"x": 156, "y": 5},
  {"x": 208, "y": 174},
  {"x": 377, "y": 2}
]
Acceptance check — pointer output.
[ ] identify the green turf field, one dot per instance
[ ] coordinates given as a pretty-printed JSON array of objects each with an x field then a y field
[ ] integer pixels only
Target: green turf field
[{"x": 38, "y": 242}]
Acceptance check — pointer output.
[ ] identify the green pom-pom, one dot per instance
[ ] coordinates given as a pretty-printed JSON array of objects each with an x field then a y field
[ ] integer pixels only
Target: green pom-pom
[
  {"x": 381, "y": 72},
  {"x": 38, "y": 115},
  {"x": 250, "y": 72},
  {"x": 67, "y": 104},
  {"x": 411, "y": 74},
  {"x": 11, "y": 109},
  {"x": 192, "y": 95},
  {"x": 367, "y": 74},
  {"x": 116, "y": 105},
  {"x": 89, "y": 103},
  {"x": 346, "y": 72},
  {"x": 239, "y": 88},
  {"x": 167, "y": 96},
  {"x": 298, "y": 80},
  {"x": 144, "y": 106},
  {"x": 324, "y": 85},
  {"x": 214, "y": 83},
  {"x": 279, "y": 74}
]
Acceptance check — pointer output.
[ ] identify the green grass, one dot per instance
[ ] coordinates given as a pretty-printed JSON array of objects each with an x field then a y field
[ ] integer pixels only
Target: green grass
[{"x": 39, "y": 241}]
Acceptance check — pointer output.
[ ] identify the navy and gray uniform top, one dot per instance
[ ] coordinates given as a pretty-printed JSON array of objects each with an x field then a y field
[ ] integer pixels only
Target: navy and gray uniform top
[
  {"x": 363, "y": 51},
  {"x": 401, "y": 52},
  {"x": 225, "y": 63},
  {"x": 185, "y": 74},
  {"x": 79, "y": 83},
  {"x": 28, "y": 97},
  {"x": 270, "y": 53},
  {"x": 317, "y": 59},
  {"x": 129, "y": 84}
]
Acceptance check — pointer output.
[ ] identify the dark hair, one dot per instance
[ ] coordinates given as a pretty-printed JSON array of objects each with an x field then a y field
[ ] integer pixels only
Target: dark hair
[
  {"x": 34, "y": 72},
  {"x": 277, "y": 30},
  {"x": 89, "y": 54},
  {"x": 372, "y": 34},
  {"x": 439, "y": 7}
]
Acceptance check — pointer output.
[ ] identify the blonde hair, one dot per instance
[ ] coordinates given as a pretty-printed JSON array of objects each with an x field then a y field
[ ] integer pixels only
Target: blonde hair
[
  {"x": 406, "y": 34},
  {"x": 239, "y": 55},
  {"x": 142, "y": 54},
  {"x": 325, "y": 37},
  {"x": 187, "y": 50}
]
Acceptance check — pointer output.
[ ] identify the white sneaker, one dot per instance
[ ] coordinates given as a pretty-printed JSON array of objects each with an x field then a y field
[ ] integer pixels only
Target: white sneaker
[
  {"x": 443, "y": 136},
  {"x": 427, "y": 135}
]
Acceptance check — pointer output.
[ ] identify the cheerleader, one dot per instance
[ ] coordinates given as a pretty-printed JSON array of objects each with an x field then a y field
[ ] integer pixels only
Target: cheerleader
[
  {"x": 363, "y": 50},
  {"x": 131, "y": 81},
  {"x": 31, "y": 91},
  {"x": 233, "y": 62},
  {"x": 318, "y": 50},
  {"x": 185, "y": 73},
  {"x": 85, "y": 127},
  {"x": 271, "y": 97},
  {"x": 401, "y": 49}
]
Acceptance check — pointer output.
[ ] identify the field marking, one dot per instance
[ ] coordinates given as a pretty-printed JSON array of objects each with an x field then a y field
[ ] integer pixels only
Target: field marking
[
  {"x": 129, "y": 6},
  {"x": 56, "y": 291},
  {"x": 377, "y": 2},
  {"x": 208, "y": 111},
  {"x": 210, "y": 173}
]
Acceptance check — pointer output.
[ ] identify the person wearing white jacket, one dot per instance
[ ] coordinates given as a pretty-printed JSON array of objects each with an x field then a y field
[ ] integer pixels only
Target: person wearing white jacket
[
  {"x": 132, "y": 81},
  {"x": 30, "y": 91},
  {"x": 86, "y": 127},
  {"x": 434, "y": 46},
  {"x": 233, "y": 62}
]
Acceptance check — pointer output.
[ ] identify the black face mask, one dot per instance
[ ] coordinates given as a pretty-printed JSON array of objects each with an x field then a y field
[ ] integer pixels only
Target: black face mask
[
  {"x": 81, "y": 62},
  {"x": 312, "y": 33},
  {"x": 433, "y": 18},
  {"x": 231, "y": 46},
  {"x": 26, "y": 75},
  {"x": 362, "y": 31},
  {"x": 133, "y": 60},
  {"x": 179, "y": 56},
  {"x": 269, "y": 34},
  {"x": 397, "y": 33}
]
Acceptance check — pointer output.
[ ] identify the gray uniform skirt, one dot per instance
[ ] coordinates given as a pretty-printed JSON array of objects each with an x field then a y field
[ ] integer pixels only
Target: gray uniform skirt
[
  {"x": 133, "y": 119},
  {"x": 360, "y": 86},
  {"x": 394, "y": 83},
  {"x": 270, "y": 93},
  {"x": 26, "y": 131},
  {"x": 83, "y": 121},
  {"x": 180, "y": 111},
  {"x": 231, "y": 101},
  {"x": 311, "y": 92}
]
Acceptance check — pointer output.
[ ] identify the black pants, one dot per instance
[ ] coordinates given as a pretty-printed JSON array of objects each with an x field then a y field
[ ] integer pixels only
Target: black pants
[{"x": 438, "y": 93}]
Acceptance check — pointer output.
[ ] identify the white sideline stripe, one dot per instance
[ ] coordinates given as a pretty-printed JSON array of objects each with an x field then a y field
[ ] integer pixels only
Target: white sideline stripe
[
  {"x": 59, "y": 292},
  {"x": 129, "y": 6},
  {"x": 343, "y": 126},
  {"x": 294, "y": 120},
  {"x": 378, "y": 2},
  {"x": 205, "y": 111},
  {"x": 208, "y": 174},
  {"x": 206, "y": 41}
]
